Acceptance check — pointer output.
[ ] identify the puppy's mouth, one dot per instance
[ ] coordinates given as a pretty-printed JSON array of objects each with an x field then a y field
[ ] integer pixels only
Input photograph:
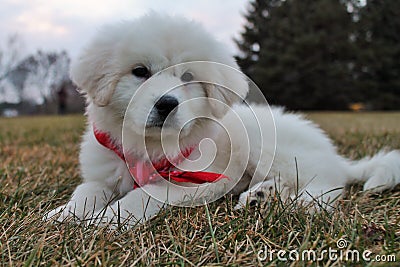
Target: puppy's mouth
[
  {"x": 169, "y": 127},
  {"x": 157, "y": 124}
]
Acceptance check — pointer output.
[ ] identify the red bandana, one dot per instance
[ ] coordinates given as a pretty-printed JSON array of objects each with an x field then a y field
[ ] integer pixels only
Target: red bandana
[{"x": 145, "y": 172}]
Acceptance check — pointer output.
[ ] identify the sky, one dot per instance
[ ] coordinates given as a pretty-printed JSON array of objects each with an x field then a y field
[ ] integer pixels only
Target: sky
[{"x": 56, "y": 25}]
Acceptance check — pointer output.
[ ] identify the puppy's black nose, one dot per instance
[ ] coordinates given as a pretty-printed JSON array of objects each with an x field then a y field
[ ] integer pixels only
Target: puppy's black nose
[{"x": 165, "y": 105}]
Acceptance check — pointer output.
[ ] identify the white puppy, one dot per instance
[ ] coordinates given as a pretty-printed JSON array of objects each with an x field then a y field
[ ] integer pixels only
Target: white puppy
[{"x": 140, "y": 95}]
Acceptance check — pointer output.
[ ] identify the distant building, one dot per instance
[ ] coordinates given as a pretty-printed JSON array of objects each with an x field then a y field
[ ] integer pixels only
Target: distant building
[{"x": 357, "y": 107}]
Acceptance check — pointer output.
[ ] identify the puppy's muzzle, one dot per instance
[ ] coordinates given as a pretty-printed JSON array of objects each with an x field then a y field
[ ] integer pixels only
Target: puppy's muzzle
[{"x": 166, "y": 105}]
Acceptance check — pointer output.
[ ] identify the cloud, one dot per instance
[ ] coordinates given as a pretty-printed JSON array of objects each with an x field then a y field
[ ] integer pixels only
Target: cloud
[
  {"x": 37, "y": 25},
  {"x": 56, "y": 24}
]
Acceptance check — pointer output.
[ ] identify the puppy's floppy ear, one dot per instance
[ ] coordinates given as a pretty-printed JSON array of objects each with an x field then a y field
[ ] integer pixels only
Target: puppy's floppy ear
[
  {"x": 229, "y": 85},
  {"x": 95, "y": 75}
]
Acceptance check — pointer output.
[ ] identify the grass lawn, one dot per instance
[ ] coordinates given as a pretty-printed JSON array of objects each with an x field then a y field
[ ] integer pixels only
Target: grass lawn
[{"x": 39, "y": 170}]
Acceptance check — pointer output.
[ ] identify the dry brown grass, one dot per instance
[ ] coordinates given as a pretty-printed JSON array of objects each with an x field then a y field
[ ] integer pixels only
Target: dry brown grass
[{"x": 39, "y": 170}]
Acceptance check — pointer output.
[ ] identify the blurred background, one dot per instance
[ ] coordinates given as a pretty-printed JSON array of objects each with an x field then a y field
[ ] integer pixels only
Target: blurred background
[{"x": 303, "y": 54}]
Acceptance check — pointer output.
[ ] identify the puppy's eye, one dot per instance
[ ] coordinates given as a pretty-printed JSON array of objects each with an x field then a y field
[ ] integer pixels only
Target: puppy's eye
[
  {"x": 187, "y": 77},
  {"x": 141, "y": 72}
]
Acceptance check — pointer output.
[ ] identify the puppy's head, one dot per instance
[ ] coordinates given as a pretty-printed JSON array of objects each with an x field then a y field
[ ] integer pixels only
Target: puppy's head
[{"x": 148, "y": 53}]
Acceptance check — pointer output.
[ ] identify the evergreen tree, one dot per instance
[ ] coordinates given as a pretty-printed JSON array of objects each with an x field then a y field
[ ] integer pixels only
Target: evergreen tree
[
  {"x": 325, "y": 54},
  {"x": 298, "y": 52},
  {"x": 377, "y": 71}
]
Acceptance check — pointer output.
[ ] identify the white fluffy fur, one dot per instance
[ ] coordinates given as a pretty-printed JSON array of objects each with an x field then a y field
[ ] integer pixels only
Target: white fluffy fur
[{"x": 103, "y": 73}]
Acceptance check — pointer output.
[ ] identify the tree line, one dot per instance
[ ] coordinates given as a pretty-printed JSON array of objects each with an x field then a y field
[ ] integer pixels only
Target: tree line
[{"x": 324, "y": 55}]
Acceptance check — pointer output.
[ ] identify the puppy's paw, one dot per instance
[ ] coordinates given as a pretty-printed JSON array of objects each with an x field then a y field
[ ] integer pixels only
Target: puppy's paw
[
  {"x": 70, "y": 212},
  {"x": 105, "y": 218},
  {"x": 61, "y": 214},
  {"x": 55, "y": 214},
  {"x": 257, "y": 194}
]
